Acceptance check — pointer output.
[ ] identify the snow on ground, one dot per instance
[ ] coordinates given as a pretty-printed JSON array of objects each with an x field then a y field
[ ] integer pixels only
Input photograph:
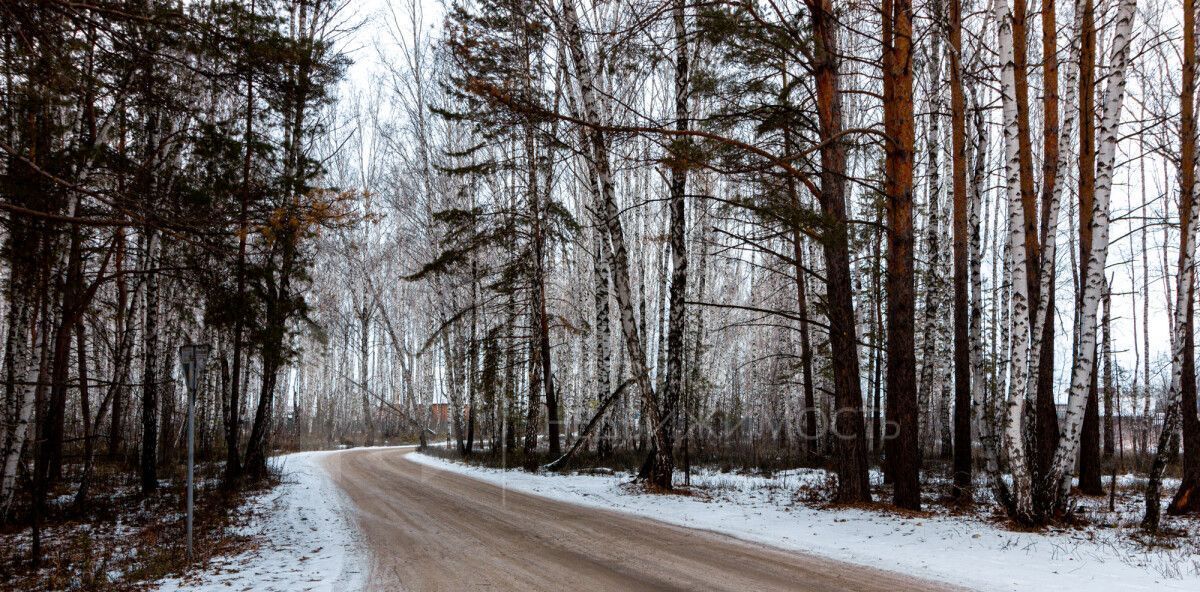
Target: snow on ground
[
  {"x": 965, "y": 550},
  {"x": 307, "y": 540}
]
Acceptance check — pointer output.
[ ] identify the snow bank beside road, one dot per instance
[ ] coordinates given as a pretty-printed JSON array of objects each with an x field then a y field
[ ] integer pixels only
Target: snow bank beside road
[
  {"x": 308, "y": 541},
  {"x": 961, "y": 550}
]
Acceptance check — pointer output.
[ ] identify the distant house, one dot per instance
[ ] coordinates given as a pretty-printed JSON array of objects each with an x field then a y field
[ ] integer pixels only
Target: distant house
[
  {"x": 439, "y": 417},
  {"x": 439, "y": 414},
  {"x": 1132, "y": 431}
]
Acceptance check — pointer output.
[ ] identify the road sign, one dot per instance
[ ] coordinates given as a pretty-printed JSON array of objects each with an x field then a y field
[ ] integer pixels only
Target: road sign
[{"x": 193, "y": 358}]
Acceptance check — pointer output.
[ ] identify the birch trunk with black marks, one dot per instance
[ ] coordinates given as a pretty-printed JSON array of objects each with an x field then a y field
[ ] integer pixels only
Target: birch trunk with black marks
[
  {"x": 1022, "y": 497},
  {"x": 928, "y": 388},
  {"x": 983, "y": 414},
  {"x": 26, "y": 367},
  {"x": 603, "y": 322},
  {"x": 597, "y": 155},
  {"x": 962, "y": 490},
  {"x": 1187, "y": 276},
  {"x": 677, "y": 323},
  {"x": 1085, "y": 356},
  {"x": 149, "y": 458}
]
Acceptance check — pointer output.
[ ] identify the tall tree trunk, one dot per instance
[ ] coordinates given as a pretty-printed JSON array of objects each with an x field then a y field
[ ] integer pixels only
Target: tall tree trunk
[
  {"x": 85, "y": 405},
  {"x": 364, "y": 354},
  {"x": 26, "y": 368},
  {"x": 48, "y": 464},
  {"x": 603, "y": 331},
  {"x": 876, "y": 341},
  {"x": 1020, "y": 45},
  {"x": 1109, "y": 386},
  {"x": 233, "y": 421},
  {"x": 1187, "y": 276},
  {"x": 597, "y": 152},
  {"x": 929, "y": 393},
  {"x": 1089, "y": 441},
  {"x": 903, "y": 450},
  {"x": 983, "y": 414},
  {"x": 149, "y": 457},
  {"x": 533, "y": 424},
  {"x": 472, "y": 369},
  {"x": 680, "y": 162},
  {"x": 806, "y": 357},
  {"x": 123, "y": 357},
  {"x": 1087, "y": 191},
  {"x": 553, "y": 418},
  {"x": 852, "y": 455},
  {"x": 693, "y": 389},
  {"x": 1022, "y": 502},
  {"x": 1060, "y": 477},
  {"x": 1045, "y": 412},
  {"x": 1187, "y": 498},
  {"x": 1046, "y": 433},
  {"x": 962, "y": 336}
]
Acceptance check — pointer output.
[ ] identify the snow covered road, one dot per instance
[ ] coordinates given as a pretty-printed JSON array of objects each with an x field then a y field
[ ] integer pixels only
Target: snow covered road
[
  {"x": 432, "y": 529},
  {"x": 965, "y": 550},
  {"x": 393, "y": 519}
]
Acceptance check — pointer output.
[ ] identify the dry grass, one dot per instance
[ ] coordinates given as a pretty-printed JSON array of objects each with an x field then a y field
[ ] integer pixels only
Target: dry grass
[{"x": 121, "y": 540}]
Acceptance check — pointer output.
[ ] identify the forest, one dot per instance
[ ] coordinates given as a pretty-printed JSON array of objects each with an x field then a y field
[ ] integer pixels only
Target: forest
[{"x": 942, "y": 249}]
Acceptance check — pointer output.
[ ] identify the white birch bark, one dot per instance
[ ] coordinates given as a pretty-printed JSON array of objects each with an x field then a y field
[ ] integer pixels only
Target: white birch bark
[
  {"x": 1014, "y": 438},
  {"x": 1179, "y": 321},
  {"x": 1070, "y": 118},
  {"x": 25, "y": 359},
  {"x": 1114, "y": 95},
  {"x": 597, "y": 155},
  {"x": 985, "y": 420}
]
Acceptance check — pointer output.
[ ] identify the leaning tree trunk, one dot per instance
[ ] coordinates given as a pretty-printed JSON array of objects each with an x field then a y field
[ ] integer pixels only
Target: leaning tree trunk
[
  {"x": 1187, "y": 275},
  {"x": 597, "y": 155}
]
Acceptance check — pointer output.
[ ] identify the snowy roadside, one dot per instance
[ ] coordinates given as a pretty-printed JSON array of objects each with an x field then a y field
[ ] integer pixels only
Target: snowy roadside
[
  {"x": 963, "y": 550},
  {"x": 307, "y": 541}
]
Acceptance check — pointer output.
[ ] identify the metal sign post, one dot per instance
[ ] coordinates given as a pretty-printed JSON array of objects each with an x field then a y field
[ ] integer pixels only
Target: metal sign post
[{"x": 192, "y": 357}]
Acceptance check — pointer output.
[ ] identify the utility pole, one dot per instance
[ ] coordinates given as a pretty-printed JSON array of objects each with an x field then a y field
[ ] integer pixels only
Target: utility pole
[{"x": 192, "y": 357}]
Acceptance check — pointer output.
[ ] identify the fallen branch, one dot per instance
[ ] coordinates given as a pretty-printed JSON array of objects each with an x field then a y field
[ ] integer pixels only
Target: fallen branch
[{"x": 587, "y": 431}]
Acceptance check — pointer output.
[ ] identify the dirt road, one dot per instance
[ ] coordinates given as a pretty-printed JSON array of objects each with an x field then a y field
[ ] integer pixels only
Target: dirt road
[{"x": 430, "y": 530}]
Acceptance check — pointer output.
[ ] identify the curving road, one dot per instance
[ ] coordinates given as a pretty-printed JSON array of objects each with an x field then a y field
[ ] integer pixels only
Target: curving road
[{"x": 431, "y": 530}]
